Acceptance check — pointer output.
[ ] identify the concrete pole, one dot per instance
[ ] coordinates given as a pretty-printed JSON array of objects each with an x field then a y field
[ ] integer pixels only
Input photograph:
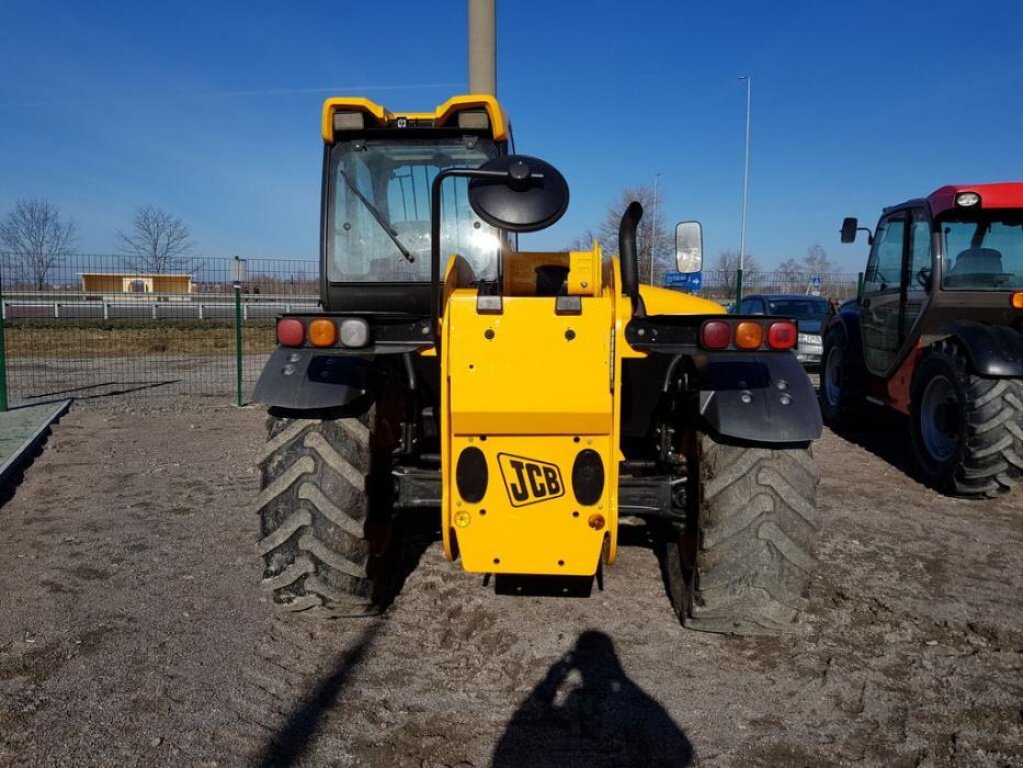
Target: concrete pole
[
  {"x": 653, "y": 229},
  {"x": 482, "y": 47},
  {"x": 745, "y": 176}
]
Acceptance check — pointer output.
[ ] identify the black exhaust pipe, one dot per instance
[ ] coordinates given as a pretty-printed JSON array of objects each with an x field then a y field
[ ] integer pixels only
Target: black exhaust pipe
[{"x": 628, "y": 258}]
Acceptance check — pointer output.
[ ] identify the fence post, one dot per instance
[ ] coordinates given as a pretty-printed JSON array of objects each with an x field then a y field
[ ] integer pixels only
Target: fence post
[
  {"x": 738, "y": 287},
  {"x": 238, "y": 274},
  {"x": 3, "y": 351}
]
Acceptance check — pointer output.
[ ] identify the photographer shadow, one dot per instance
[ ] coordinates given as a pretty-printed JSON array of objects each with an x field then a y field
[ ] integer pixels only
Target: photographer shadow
[{"x": 587, "y": 712}]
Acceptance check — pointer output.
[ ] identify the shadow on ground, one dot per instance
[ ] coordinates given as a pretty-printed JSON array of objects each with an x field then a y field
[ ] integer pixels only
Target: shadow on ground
[
  {"x": 80, "y": 393},
  {"x": 587, "y": 712},
  {"x": 294, "y": 738},
  {"x": 884, "y": 433}
]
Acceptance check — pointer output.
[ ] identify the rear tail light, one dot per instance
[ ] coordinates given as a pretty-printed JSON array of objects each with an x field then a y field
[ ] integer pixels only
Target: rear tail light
[
  {"x": 290, "y": 332},
  {"x": 749, "y": 334},
  {"x": 354, "y": 332},
  {"x": 782, "y": 335},
  {"x": 322, "y": 333},
  {"x": 1017, "y": 300},
  {"x": 715, "y": 334}
]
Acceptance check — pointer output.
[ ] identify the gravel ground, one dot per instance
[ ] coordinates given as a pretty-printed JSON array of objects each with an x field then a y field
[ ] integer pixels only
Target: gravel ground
[
  {"x": 132, "y": 631},
  {"x": 199, "y": 376}
]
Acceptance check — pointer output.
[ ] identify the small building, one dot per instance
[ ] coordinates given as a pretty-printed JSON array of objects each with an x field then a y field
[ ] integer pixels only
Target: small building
[{"x": 118, "y": 285}]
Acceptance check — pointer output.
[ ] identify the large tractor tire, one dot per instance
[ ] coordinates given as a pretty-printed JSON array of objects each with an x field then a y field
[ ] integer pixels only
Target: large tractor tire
[
  {"x": 967, "y": 429},
  {"x": 743, "y": 562},
  {"x": 842, "y": 380},
  {"x": 328, "y": 538}
]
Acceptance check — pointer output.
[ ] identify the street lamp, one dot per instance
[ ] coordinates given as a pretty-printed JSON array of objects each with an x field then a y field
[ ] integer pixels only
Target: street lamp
[
  {"x": 745, "y": 176},
  {"x": 653, "y": 229}
]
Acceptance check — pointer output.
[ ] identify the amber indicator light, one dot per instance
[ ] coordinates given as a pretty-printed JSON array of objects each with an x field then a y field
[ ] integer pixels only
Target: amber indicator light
[
  {"x": 749, "y": 335},
  {"x": 322, "y": 333}
]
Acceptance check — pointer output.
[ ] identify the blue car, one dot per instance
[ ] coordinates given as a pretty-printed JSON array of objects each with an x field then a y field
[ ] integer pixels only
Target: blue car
[{"x": 810, "y": 313}]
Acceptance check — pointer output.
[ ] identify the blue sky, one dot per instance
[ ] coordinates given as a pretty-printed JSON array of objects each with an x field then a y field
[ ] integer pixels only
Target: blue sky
[{"x": 211, "y": 109}]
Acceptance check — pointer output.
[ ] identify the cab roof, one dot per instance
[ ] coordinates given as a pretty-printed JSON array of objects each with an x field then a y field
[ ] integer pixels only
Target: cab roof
[
  {"x": 1002, "y": 195},
  {"x": 443, "y": 115}
]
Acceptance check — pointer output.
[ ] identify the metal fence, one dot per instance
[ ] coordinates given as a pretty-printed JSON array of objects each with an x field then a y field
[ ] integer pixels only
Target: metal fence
[
  {"x": 722, "y": 285},
  {"x": 98, "y": 326}
]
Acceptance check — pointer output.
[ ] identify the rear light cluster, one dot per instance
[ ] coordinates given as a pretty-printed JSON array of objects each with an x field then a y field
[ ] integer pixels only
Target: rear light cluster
[
  {"x": 1017, "y": 300},
  {"x": 748, "y": 334},
  {"x": 323, "y": 332}
]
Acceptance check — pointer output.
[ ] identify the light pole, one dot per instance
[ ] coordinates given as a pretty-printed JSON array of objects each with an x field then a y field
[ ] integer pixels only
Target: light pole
[
  {"x": 653, "y": 229},
  {"x": 745, "y": 176}
]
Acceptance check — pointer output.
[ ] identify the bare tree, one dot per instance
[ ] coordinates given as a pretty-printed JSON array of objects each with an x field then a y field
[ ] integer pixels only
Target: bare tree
[
  {"x": 726, "y": 265},
  {"x": 797, "y": 275},
  {"x": 792, "y": 276},
  {"x": 157, "y": 241},
  {"x": 37, "y": 237},
  {"x": 816, "y": 260},
  {"x": 660, "y": 241}
]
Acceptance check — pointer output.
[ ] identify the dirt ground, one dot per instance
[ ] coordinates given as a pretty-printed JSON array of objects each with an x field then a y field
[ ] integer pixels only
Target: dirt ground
[{"x": 132, "y": 632}]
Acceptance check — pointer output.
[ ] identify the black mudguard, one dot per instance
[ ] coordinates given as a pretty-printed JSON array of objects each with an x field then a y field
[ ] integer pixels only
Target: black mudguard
[
  {"x": 311, "y": 379},
  {"x": 993, "y": 350},
  {"x": 849, "y": 322},
  {"x": 760, "y": 398}
]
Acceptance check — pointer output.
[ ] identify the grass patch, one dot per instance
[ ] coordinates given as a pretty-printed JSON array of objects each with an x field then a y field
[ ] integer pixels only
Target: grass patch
[{"x": 131, "y": 338}]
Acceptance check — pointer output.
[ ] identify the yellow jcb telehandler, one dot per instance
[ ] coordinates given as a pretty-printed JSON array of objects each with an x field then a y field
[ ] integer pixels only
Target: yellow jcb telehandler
[{"x": 531, "y": 400}]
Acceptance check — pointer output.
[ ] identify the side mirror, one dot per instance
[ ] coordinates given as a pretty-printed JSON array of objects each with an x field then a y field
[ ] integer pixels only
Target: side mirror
[
  {"x": 518, "y": 193},
  {"x": 849, "y": 227},
  {"x": 689, "y": 246}
]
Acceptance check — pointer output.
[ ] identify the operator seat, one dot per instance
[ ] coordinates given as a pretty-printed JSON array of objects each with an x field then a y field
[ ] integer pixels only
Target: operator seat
[{"x": 973, "y": 261}]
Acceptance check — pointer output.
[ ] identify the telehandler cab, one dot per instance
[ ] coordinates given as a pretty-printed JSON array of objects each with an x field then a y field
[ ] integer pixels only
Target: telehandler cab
[
  {"x": 533, "y": 400},
  {"x": 937, "y": 334}
]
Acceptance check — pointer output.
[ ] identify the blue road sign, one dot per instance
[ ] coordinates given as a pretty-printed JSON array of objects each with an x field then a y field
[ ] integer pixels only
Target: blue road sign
[
  {"x": 693, "y": 281},
  {"x": 815, "y": 285}
]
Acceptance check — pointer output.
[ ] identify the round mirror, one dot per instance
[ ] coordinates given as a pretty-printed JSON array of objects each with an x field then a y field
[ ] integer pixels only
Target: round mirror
[{"x": 531, "y": 196}]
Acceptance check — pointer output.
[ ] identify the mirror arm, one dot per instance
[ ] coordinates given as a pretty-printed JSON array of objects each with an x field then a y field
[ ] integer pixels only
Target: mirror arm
[{"x": 435, "y": 202}]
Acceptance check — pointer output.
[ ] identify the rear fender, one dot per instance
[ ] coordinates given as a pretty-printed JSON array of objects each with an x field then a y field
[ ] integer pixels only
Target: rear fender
[
  {"x": 756, "y": 397},
  {"x": 993, "y": 350},
  {"x": 301, "y": 379},
  {"x": 849, "y": 322}
]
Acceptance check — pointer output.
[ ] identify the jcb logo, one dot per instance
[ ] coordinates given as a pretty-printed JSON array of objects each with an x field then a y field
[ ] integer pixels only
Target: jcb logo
[{"x": 529, "y": 480}]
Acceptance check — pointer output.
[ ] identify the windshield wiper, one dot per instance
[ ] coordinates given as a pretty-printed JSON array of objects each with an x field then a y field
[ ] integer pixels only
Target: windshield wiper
[{"x": 384, "y": 224}]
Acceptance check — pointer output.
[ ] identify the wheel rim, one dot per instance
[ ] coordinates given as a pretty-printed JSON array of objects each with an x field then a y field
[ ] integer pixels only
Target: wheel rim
[
  {"x": 939, "y": 418},
  {"x": 832, "y": 374}
]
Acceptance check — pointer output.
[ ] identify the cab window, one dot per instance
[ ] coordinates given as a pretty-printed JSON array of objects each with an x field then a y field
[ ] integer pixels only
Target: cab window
[
  {"x": 884, "y": 268},
  {"x": 919, "y": 251}
]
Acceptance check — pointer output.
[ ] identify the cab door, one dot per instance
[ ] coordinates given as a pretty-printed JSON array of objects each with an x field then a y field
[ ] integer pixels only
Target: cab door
[
  {"x": 918, "y": 270},
  {"x": 881, "y": 307}
]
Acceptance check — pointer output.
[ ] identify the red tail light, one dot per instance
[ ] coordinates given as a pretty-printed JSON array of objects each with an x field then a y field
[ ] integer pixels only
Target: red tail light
[
  {"x": 715, "y": 334},
  {"x": 290, "y": 332},
  {"x": 782, "y": 335}
]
